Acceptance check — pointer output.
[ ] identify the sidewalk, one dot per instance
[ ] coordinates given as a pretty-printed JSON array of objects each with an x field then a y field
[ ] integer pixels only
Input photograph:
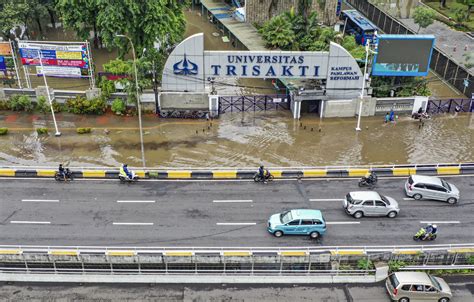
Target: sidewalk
[{"x": 454, "y": 43}]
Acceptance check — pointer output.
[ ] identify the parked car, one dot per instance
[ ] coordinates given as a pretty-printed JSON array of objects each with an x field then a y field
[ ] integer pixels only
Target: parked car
[
  {"x": 430, "y": 187},
  {"x": 297, "y": 222},
  {"x": 370, "y": 203},
  {"x": 417, "y": 286}
]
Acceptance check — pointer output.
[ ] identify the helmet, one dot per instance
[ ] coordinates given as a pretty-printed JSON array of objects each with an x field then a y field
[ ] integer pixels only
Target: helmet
[
  {"x": 261, "y": 167},
  {"x": 124, "y": 165},
  {"x": 434, "y": 226}
]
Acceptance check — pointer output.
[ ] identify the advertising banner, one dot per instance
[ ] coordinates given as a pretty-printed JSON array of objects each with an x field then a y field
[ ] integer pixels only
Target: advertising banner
[
  {"x": 68, "y": 55},
  {"x": 5, "y": 49},
  {"x": 67, "y": 72},
  {"x": 3, "y": 65}
]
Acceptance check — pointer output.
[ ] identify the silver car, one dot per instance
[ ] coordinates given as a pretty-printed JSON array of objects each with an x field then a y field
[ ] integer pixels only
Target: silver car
[
  {"x": 416, "y": 286},
  {"x": 430, "y": 187},
  {"x": 370, "y": 203}
]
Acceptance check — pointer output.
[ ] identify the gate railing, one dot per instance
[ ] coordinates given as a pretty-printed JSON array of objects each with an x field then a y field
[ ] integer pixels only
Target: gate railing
[{"x": 253, "y": 103}]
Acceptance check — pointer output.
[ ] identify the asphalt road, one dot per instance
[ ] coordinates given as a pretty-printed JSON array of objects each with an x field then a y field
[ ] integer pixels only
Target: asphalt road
[
  {"x": 185, "y": 213},
  {"x": 462, "y": 288}
]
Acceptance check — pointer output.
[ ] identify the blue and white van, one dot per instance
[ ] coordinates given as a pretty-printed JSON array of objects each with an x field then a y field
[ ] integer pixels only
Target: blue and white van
[{"x": 297, "y": 222}]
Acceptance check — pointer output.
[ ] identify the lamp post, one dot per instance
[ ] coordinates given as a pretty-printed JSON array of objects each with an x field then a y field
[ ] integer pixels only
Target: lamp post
[
  {"x": 367, "y": 50},
  {"x": 138, "y": 97},
  {"x": 47, "y": 92}
]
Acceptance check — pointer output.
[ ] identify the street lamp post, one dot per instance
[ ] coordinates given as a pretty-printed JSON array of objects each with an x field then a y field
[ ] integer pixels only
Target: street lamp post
[
  {"x": 138, "y": 98},
  {"x": 367, "y": 50},
  {"x": 47, "y": 92}
]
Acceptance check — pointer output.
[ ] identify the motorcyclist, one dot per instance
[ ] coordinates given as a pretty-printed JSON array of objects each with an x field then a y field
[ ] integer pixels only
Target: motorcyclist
[
  {"x": 261, "y": 172},
  {"x": 61, "y": 171},
  {"x": 431, "y": 230},
  {"x": 125, "y": 171},
  {"x": 370, "y": 178}
]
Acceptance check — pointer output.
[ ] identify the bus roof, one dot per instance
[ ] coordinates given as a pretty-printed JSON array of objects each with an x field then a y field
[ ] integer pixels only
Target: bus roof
[{"x": 358, "y": 19}]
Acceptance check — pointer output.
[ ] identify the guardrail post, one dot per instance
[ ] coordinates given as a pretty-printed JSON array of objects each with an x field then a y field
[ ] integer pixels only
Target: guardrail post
[{"x": 26, "y": 263}]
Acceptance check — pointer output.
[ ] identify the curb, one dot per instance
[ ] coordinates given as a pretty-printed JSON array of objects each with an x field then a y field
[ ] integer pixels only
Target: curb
[{"x": 401, "y": 171}]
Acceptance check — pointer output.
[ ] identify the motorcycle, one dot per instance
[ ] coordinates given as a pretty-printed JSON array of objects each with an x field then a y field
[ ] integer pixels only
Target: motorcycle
[
  {"x": 422, "y": 236},
  {"x": 124, "y": 178},
  {"x": 67, "y": 175},
  {"x": 368, "y": 182},
  {"x": 258, "y": 178}
]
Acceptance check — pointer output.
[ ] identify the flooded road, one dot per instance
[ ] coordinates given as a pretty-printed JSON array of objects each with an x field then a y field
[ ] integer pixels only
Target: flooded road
[{"x": 271, "y": 138}]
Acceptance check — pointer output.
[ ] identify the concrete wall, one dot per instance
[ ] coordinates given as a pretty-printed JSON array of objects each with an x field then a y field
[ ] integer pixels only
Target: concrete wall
[
  {"x": 349, "y": 108},
  {"x": 195, "y": 101}
]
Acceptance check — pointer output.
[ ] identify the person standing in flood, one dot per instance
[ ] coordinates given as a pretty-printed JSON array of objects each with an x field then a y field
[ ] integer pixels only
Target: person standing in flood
[{"x": 387, "y": 118}]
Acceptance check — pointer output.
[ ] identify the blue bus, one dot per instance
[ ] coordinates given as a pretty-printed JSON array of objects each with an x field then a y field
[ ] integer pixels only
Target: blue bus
[{"x": 358, "y": 26}]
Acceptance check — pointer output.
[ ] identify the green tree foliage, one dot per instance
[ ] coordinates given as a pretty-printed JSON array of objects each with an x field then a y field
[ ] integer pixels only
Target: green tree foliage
[
  {"x": 401, "y": 86},
  {"x": 144, "y": 21},
  {"x": 118, "y": 106},
  {"x": 278, "y": 33},
  {"x": 43, "y": 105},
  {"x": 21, "y": 103},
  {"x": 12, "y": 13},
  {"x": 80, "y": 105},
  {"x": 423, "y": 16}
]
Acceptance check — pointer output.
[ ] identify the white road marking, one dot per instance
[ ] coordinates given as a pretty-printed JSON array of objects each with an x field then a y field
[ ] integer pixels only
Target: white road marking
[
  {"x": 136, "y": 201},
  {"x": 440, "y": 222},
  {"x": 236, "y": 223},
  {"x": 132, "y": 223},
  {"x": 40, "y": 200},
  {"x": 408, "y": 198},
  {"x": 230, "y": 200},
  {"x": 29, "y": 222},
  {"x": 325, "y": 199},
  {"x": 342, "y": 222}
]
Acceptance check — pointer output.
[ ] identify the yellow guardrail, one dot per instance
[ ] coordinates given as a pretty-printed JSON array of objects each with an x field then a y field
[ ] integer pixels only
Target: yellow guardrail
[
  {"x": 179, "y": 254},
  {"x": 406, "y": 252},
  {"x": 358, "y": 172},
  {"x": 63, "y": 253},
  {"x": 314, "y": 173},
  {"x": 276, "y": 173},
  {"x": 46, "y": 173},
  {"x": 403, "y": 171},
  {"x": 461, "y": 250},
  {"x": 7, "y": 172},
  {"x": 449, "y": 170},
  {"x": 348, "y": 252},
  {"x": 294, "y": 253},
  {"x": 11, "y": 252},
  {"x": 224, "y": 174},
  {"x": 121, "y": 253},
  {"x": 237, "y": 254},
  {"x": 93, "y": 173}
]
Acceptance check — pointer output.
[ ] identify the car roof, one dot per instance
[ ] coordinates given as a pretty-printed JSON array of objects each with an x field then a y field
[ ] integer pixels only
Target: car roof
[
  {"x": 413, "y": 277},
  {"x": 427, "y": 179},
  {"x": 306, "y": 214},
  {"x": 365, "y": 195}
]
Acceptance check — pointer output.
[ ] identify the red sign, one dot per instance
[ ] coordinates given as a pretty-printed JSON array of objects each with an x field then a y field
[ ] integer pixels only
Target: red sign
[
  {"x": 27, "y": 61},
  {"x": 71, "y": 63}
]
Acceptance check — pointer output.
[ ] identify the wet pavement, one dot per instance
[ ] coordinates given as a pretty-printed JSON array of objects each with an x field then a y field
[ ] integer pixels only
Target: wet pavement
[{"x": 236, "y": 140}]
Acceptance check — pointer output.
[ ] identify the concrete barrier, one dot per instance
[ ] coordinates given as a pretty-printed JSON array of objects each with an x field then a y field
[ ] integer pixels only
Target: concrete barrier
[{"x": 316, "y": 172}]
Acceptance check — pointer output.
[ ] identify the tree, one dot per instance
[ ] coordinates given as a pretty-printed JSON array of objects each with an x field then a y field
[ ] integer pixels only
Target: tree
[
  {"x": 423, "y": 16},
  {"x": 278, "y": 33},
  {"x": 80, "y": 16},
  {"x": 12, "y": 13}
]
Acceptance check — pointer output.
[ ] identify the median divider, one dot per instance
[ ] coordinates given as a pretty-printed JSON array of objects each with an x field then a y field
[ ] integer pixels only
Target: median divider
[
  {"x": 64, "y": 253},
  {"x": 348, "y": 252},
  {"x": 121, "y": 253},
  {"x": 316, "y": 172}
]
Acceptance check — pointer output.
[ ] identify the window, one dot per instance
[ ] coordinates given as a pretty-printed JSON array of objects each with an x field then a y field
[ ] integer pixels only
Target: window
[
  {"x": 387, "y": 202},
  {"x": 379, "y": 203},
  {"x": 429, "y": 289},
  {"x": 446, "y": 185},
  {"x": 317, "y": 221},
  {"x": 406, "y": 287},
  {"x": 420, "y": 186},
  {"x": 306, "y": 222},
  {"x": 410, "y": 180},
  {"x": 431, "y": 187},
  {"x": 368, "y": 203},
  {"x": 349, "y": 198},
  {"x": 294, "y": 222},
  {"x": 439, "y": 189},
  {"x": 285, "y": 217},
  {"x": 417, "y": 288}
]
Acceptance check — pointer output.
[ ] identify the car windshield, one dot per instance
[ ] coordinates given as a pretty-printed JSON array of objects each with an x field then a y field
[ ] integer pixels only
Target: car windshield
[
  {"x": 435, "y": 282},
  {"x": 385, "y": 199},
  {"x": 446, "y": 185},
  {"x": 349, "y": 198},
  {"x": 393, "y": 280},
  {"x": 286, "y": 217}
]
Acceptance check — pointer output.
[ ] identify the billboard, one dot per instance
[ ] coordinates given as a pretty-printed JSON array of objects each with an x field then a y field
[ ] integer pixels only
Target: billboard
[
  {"x": 63, "y": 60},
  {"x": 403, "y": 55}
]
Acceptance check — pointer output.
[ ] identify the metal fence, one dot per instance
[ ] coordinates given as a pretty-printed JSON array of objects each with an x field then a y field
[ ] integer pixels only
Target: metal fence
[
  {"x": 253, "y": 103},
  {"x": 441, "y": 63},
  {"x": 324, "y": 261},
  {"x": 450, "y": 105}
]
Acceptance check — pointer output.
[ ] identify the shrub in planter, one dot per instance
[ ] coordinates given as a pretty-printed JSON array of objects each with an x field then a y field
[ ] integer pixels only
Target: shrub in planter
[
  {"x": 3, "y": 131},
  {"x": 118, "y": 106},
  {"x": 43, "y": 105},
  {"x": 80, "y": 105},
  {"x": 83, "y": 130},
  {"x": 21, "y": 103},
  {"x": 42, "y": 130},
  {"x": 4, "y": 105}
]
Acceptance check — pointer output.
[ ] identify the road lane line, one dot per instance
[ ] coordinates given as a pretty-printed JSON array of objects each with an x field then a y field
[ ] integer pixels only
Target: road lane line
[
  {"x": 136, "y": 201},
  {"x": 236, "y": 223},
  {"x": 40, "y": 200},
  {"x": 132, "y": 223},
  {"x": 440, "y": 222},
  {"x": 235, "y": 200},
  {"x": 408, "y": 198},
  {"x": 325, "y": 199},
  {"x": 29, "y": 222},
  {"x": 342, "y": 222}
]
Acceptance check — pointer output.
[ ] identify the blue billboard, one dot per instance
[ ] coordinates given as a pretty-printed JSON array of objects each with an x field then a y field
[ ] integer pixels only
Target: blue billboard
[{"x": 403, "y": 55}]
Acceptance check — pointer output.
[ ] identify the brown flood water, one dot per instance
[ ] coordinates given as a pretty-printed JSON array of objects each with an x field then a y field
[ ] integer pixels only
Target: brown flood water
[{"x": 249, "y": 139}]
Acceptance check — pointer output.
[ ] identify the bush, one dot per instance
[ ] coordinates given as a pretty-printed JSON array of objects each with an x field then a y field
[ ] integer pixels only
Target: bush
[
  {"x": 21, "y": 103},
  {"x": 107, "y": 87},
  {"x": 4, "y": 105},
  {"x": 80, "y": 105},
  {"x": 364, "y": 264},
  {"x": 3, "y": 131},
  {"x": 118, "y": 106},
  {"x": 395, "y": 265},
  {"x": 83, "y": 130},
  {"x": 42, "y": 130},
  {"x": 43, "y": 105}
]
